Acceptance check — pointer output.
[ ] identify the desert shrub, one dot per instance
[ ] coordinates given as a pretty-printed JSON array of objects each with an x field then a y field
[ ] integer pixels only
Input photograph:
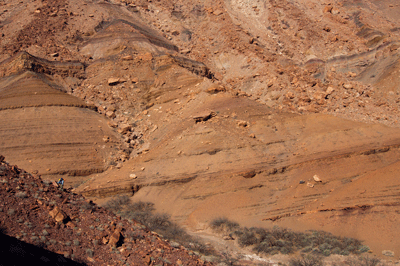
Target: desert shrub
[
  {"x": 286, "y": 241},
  {"x": 117, "y": 203},
  {"x": 89, "y": 252},
  {"x": 223, "y": 225},
  {"x": 68, "y": 243},
  {"x": 100, "y": 228},
  {"x": 336, "y": 250},
  {"x": 246, "y": 238},
  {"x": 345, "y": 253},
  {"x": 285, "y": 250},
  {"x": 45, "y": 233},
  {"x": 28, "y": 224},
  {"x": 76, "y": 242},
  {"x": 21, "y": 195},
  {"x": 143, "y": 212},
  {"x": 307, "y": 249},
  {"x": 11, "y": 212},
  {"x": 363, "y": 261},
  {"x": 307, "y": 260},
  {"x": 87, "y": 206},
  {"x": 326, "y": 252},
  {"x": 363, "y": 249}
]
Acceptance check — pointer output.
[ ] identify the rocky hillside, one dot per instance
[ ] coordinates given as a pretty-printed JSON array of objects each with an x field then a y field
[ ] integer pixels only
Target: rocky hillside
[
  {"x": 72, "y": 228},
  {"x": 269, "y": 113}
]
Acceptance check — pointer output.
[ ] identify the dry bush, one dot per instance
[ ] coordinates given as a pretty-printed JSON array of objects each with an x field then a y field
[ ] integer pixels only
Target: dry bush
[
  {"x": 307, "y": 260},
  {"x": 117, "y": 203},
  {"x": 143, "y": 212},
  {"x": 223, "y": 225},
  {"x": 281, "y": 240},
  {"x": 363, "y": 261}
]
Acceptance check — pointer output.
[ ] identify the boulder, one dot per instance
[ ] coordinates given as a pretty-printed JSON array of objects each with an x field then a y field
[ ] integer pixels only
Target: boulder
[
  {"x": 204, "y": 116},
  {"x": 317, "y": 178},
  {"x": 242, "y": 123},
  {"x": 58, "y": 215},
  {"x": 124, "y": 128},
  {"x": 215, "y": 89},
  {"x": 115, "y": 238},
  {"x": 347, "y": 86},
  {"x": 113, "y": 81}
]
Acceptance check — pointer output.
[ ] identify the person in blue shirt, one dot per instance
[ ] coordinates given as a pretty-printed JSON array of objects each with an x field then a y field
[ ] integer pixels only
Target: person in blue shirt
[{"x": 61, "y": 183}]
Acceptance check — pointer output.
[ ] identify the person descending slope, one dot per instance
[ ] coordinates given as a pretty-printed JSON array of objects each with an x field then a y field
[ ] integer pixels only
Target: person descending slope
[{"x": 60, "y": 182}]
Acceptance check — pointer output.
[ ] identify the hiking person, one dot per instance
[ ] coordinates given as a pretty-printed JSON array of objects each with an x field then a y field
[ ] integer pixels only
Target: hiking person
[{"x": 61, "y": 183}]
